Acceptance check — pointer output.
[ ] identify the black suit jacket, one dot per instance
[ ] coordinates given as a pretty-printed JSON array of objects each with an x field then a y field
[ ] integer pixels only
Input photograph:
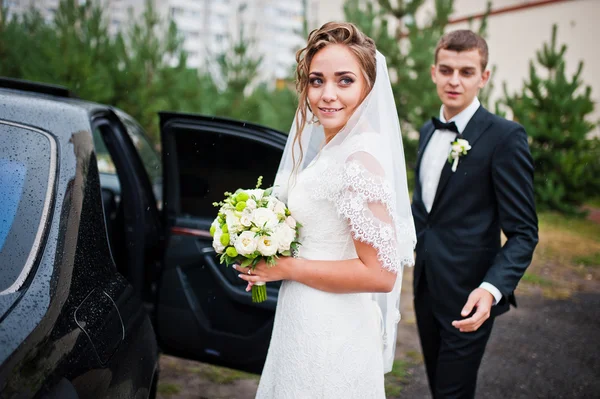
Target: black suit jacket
[{"x": 458, "y": 242}]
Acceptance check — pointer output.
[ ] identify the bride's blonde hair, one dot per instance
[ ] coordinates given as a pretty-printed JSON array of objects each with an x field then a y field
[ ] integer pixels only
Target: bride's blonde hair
[{"x": 362, "y": 46}]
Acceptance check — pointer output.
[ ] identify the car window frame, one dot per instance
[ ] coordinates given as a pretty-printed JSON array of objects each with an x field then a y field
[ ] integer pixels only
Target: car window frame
[{"x": 36, "y": 247}]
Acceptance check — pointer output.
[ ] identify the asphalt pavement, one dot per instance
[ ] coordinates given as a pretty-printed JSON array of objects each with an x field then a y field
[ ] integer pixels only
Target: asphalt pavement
[{"x": 543, "y": 349}]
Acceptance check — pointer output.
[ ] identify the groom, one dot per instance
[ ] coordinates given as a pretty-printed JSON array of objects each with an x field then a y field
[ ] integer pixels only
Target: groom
[{"x": 463, "y": 276}]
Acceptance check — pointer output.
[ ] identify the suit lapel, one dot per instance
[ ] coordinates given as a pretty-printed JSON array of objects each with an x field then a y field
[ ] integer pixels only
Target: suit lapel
[{"x": 476, "y": 126}]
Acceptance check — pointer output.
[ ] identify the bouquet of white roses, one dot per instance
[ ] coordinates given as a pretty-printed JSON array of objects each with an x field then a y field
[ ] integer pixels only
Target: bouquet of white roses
[{"x": 253, "y": 225}]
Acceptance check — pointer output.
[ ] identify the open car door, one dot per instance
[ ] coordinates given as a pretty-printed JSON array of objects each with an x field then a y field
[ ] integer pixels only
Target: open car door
[{"x": 203, "y": 311}]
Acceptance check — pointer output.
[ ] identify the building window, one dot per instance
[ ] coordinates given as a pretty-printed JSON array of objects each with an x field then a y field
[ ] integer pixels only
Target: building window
[{"x": 177, "y": 12}]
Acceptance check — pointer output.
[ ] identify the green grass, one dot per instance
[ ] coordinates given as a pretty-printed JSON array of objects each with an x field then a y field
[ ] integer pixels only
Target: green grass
[
  {"x": 396, "y": 378},
  {"x": 168, "y": 388},
  {"x": 576, "y": 225},
  {"x": 537, "y": 280},
  {"x": 415, "y": 357},
  {"x": 594, "y": 203},
  {"x": 221, "y": 375},
  {"x": 592, "y": 260}
]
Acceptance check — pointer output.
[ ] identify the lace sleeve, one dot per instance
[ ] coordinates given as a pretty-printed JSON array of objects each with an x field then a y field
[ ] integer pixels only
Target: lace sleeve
[
  {"x": 367, "y": 201},
  {"x": 361, "y": 192}
]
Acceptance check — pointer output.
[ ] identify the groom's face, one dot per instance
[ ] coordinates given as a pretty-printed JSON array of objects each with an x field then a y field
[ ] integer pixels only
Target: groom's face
[{"x": 458, "y": 77}]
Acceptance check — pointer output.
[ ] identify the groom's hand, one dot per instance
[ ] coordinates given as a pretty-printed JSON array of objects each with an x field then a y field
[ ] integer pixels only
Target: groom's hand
[{"x": 480, "y": 299}]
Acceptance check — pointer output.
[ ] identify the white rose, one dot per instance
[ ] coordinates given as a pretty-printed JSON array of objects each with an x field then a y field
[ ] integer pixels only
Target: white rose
[
  {"x": 284, "y": 235},
  {"x": 257, "y": 193},
  {"x": 233, "y": 222},
  {"x": 267, "y": 245},
  {"x": 264, "y": 218},
  {"x": 246, "y": 219},
  {"x": 279, "y": 208},
  {"x": 251, "y": 204},
  {"x": 219, "y": 248},
  {"x": 271, "y": 201},
  {"x": 290, "y": 221},
  {"x": 456, "y": 148},
  {"x": 246, "y": 243}
]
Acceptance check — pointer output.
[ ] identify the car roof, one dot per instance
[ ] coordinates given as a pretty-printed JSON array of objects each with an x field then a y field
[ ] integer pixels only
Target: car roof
[{"x": 49, "y": 107}]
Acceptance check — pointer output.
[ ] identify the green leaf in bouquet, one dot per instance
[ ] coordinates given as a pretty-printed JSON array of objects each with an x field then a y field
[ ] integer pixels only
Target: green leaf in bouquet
[
  {"x": 287, "y": 253},
  {"x": 271, "y": 261},
  {"x": 269, "y": 191},
  {"x": 246, "y": 262}
]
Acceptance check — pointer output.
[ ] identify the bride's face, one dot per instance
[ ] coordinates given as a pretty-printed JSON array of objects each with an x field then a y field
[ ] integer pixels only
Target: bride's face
[{"x": 336, "y": 87}]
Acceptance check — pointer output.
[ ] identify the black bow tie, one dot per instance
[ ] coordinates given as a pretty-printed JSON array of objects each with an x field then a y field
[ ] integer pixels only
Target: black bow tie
[{"x": 439, "y": 125}]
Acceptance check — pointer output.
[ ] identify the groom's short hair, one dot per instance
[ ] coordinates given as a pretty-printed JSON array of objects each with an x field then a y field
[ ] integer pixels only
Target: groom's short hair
[{"x": 463, "y": 40}]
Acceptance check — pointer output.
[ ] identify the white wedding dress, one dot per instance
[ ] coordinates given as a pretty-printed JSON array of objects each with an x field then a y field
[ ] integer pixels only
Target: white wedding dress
[
  {"x": 324, "y": 345},
  {"x": 327, "y": 345}
]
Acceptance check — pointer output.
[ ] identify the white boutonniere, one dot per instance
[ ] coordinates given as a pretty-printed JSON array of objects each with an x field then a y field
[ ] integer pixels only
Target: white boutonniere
[{"x": 459, "y": 148}]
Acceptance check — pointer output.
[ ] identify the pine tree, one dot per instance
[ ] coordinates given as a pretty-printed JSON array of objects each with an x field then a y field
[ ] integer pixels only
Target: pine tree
[
  {"x": 23, "y": 44},
  {"x": 151, "y": 74},
  {"x": 241, "y": 98},
  {"x": 553, "y": 109}
]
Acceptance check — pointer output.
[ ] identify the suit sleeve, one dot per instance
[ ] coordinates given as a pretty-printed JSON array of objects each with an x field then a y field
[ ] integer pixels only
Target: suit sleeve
[{"x": 512, "y": 177}]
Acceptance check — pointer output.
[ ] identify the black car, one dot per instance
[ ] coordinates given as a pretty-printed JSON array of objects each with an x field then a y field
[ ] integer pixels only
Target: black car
[{"x": 105, "y": 252}]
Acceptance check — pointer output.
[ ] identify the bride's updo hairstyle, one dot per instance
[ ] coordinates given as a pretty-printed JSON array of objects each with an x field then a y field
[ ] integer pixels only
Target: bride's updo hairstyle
[{"x": 362, "y": 46}]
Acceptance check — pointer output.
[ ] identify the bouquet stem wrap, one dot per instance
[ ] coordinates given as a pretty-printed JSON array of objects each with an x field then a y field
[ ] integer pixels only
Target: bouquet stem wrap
[{"x": 259, "y": 292}]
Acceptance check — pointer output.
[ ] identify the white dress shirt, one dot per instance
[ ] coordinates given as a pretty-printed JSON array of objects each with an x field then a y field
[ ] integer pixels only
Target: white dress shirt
[{"x": 434, "y": 159}]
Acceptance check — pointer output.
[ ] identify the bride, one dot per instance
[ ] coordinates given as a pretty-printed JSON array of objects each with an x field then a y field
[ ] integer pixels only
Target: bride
[{"x": 343, "y": 177}]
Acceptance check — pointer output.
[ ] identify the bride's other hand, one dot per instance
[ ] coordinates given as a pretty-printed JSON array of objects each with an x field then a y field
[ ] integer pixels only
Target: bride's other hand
[{"x": 283, "y": 270}]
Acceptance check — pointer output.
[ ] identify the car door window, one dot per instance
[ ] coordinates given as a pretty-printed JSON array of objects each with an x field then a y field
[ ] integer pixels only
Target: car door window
[
  {"x": 148, "y": 154},
  {"x": 27, "y": 173},
  {"x": 212, "y": 163},
  {"x": 105, "y": 163}
]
